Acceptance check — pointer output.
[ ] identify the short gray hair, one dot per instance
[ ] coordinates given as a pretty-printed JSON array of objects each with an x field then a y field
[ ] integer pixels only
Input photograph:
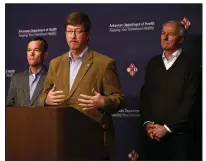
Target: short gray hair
[{"x": 180, "y": 25}]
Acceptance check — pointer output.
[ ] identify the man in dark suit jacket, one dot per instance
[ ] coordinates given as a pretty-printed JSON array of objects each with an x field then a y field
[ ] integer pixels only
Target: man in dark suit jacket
[
  {"x": 84, "y": 79},
  {"x": 167, "y": 98},
  {"x": 25, "y": 87}
]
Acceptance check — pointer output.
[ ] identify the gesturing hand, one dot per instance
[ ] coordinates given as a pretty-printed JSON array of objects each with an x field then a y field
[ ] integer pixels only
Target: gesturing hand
[
  {"x": 91, "y": 102},
  {"x": 55, "y": 97}
]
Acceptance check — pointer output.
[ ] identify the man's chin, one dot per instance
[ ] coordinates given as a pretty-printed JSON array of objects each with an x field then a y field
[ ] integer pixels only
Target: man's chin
[
  {"x": 74, "y": 48},
  {"x": 34, "y": 65},
  {"x": 166, "y": 48}
]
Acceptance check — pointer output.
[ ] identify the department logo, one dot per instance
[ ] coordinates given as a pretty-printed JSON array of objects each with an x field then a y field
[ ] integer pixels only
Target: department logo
[
  {"x": 10, "y": 73},
  {"x": 132, "y": 69},
  {"x": 133, "y": 155},
  {"x": 186, "y": 22}
]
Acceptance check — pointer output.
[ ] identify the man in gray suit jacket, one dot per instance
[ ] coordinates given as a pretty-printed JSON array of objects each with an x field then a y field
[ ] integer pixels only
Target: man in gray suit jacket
[{"x": 25, "y": 87}]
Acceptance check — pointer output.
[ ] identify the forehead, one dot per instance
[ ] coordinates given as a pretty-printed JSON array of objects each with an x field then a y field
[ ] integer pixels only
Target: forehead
[
  {"x": 171, "y": 27},
  {"x": 79, "y": 26}
]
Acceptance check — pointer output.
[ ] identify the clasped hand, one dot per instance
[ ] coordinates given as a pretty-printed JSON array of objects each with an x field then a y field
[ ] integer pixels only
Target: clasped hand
[{"x": 155, "y": 131}]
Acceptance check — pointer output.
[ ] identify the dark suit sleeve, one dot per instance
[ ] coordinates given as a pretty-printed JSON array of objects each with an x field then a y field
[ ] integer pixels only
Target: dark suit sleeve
[
  {"x": 188, "y": 99},
  {"x": 113, "y": 94},
  {"x": 144, "y": 92},
  {"x": 11, "y": 98}
]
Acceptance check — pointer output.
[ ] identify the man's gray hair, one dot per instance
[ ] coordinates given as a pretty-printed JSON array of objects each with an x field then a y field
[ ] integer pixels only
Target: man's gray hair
[{"x": 180, "y": 25}]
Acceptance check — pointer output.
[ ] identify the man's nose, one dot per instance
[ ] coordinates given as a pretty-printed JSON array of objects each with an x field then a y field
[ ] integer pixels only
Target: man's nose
[
  {"x": 32, "y": 53},
  {"x": 73, "y": 34},
  {"x": 165, "y": 37}
]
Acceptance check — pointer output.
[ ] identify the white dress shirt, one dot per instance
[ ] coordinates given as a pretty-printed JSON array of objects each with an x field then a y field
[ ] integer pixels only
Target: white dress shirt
[{"x": 172, "y": 58}]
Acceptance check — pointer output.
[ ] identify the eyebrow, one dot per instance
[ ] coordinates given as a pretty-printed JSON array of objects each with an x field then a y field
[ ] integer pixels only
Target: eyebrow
[
  {"x": 34, "y": 48},
  {"x": 73, "y": 28}
]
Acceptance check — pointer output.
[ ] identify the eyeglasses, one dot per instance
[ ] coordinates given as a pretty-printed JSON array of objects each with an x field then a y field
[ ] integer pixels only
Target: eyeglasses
[{"x": 76, "y": 32}]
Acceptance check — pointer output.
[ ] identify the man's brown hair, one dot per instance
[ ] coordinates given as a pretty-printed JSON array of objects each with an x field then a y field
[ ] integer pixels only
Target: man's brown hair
[{"x": 77, "y": 18}]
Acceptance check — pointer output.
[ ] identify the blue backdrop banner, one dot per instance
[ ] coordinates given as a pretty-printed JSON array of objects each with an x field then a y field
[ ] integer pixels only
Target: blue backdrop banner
[{"x": 128, "y": 33}]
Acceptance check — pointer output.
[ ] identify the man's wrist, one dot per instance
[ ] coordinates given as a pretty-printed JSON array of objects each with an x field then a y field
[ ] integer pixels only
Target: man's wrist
[
  {"x": 167, "y": 128},
  {"x": 102, "y": 102}
]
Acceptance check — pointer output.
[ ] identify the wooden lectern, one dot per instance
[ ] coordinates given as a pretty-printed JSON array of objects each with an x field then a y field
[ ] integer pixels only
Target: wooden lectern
[{"x": 52, "y": 134}]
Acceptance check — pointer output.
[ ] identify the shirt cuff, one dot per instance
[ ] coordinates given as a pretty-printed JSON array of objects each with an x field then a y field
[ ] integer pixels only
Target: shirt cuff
[
  {"x": 147, "y": 122},
  {"x": 168, "y": 129}
]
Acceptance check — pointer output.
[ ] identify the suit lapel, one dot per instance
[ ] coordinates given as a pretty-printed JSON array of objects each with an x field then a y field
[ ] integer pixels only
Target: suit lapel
[
  {"x": 25, "y": 87},
  {"x": 39, "y": 87},
  {"x": 65, "y": 74},
  {"x": 86, "y": 64}
]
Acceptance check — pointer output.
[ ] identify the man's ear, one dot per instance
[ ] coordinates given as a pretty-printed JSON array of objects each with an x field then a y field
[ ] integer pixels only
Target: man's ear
[
  {"x": 45, "y": 54},
  {"x": 88, "y": 36},
  {"x": 181, "y": 40}
]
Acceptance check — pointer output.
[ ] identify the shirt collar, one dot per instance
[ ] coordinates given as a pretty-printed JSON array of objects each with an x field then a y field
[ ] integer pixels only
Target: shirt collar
[
  {"x": 80, "y": 56},
  {"x": 38, "y": 73},
  {"x": 175, "y": 54}
]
